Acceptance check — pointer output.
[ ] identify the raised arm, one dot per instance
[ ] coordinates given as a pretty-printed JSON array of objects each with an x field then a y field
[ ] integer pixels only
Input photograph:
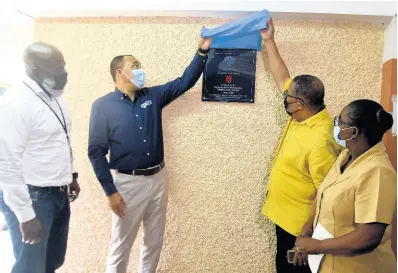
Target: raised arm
[
  {"x": 173, "y": 89},
  {"x": 276, "y": 64}
]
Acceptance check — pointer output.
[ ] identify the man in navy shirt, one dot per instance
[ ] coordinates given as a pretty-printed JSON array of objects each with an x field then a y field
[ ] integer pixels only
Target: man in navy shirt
[{"x": 128, "y": 123}]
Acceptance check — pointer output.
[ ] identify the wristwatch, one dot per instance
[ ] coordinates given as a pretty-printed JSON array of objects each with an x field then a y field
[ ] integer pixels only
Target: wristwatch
[
  {"x": 75, "y": 176},
  {"x": 203, "y": 51}
]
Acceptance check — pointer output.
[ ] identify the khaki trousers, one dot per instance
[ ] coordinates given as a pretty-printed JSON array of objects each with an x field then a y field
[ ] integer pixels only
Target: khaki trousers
[{"x": 146, "y": 202}]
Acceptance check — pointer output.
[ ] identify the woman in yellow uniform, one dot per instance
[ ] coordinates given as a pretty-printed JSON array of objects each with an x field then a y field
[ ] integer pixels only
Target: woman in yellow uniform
[{"x": 356, "y": 201}]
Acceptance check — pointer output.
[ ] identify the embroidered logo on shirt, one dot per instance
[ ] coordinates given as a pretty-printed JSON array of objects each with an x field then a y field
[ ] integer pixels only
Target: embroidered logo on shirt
[{"x": 145, "y": 104}]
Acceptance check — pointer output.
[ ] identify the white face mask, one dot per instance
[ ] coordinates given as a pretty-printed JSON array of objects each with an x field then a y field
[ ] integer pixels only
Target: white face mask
[
  {"x": 336, "y": 132},
  {"x": 139, "y": 77}
]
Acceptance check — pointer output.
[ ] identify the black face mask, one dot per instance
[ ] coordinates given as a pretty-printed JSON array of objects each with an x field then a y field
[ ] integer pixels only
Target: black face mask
[
  {"x": 287, "y": 107},
  {"x": 51, "y": 81},
  {"x": 57, "y": 81}
]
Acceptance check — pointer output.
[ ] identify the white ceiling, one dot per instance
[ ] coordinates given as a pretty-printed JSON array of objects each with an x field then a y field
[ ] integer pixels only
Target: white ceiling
[{"x": 371, "y": 11}]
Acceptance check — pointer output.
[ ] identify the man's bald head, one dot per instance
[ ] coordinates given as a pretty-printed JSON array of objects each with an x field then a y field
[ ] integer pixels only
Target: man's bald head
[
  {"x": 44, "y": 57},
  {"x": 45, "y": 64},
  {"x": 311, "y": 89}
]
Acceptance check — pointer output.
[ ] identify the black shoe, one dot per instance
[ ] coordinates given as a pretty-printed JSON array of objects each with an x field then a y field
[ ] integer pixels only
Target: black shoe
[{"x": 3, "y": 227}]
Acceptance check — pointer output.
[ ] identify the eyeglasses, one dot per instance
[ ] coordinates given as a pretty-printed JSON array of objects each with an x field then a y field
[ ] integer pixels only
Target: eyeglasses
[
  {"x": 338, "y": 120},
  {"x": 285, "y": 95}
]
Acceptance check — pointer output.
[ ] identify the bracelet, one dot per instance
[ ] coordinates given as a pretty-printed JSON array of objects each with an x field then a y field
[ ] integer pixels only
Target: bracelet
[{"x": 203, "y": 51}]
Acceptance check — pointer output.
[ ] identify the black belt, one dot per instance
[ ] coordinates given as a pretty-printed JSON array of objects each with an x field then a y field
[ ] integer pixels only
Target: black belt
[
  {"x": 145, "y": 172},
  {"x": 49, "y": 189}
]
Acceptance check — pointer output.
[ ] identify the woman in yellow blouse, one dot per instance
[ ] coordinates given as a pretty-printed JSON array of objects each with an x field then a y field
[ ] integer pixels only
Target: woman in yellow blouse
[{"x": 356, "y": 201}]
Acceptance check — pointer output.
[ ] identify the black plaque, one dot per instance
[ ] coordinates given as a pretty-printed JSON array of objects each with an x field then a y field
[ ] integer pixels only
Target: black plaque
[{"x": 229, "y": 75}]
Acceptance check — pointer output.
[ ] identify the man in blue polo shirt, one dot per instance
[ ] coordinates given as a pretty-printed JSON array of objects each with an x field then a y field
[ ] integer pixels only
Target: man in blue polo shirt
[{"x": 128, "y": 123}]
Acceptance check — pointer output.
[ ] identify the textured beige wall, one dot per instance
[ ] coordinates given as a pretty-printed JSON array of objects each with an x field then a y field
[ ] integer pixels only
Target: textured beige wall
[{"x": 219, "y": 155}]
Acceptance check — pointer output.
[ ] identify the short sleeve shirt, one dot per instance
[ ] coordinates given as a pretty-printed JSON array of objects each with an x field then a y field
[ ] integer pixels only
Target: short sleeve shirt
[
  {"x": 306, "y": 152},
  {"x": 364, "y": 193}
]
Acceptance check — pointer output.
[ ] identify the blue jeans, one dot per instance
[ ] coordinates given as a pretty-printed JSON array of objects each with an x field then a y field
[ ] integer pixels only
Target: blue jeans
[{"x": 53, "y": 212}]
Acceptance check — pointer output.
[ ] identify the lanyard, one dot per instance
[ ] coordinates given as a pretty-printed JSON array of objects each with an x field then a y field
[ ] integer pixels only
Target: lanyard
[{"x": 63, "y": 124}]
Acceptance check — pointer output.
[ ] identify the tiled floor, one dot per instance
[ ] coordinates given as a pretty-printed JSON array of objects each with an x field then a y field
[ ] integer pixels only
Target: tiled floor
[{"x": 6, "y": 256}]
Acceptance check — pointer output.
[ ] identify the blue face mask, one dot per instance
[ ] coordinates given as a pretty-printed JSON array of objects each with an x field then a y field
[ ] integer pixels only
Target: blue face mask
[
  {"x": 139, "y": 78},
  {"x": 336, "y": 132}
]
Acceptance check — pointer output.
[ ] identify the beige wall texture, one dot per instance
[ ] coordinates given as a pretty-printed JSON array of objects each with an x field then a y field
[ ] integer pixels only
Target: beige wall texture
[{"x": 218, "y": 154}]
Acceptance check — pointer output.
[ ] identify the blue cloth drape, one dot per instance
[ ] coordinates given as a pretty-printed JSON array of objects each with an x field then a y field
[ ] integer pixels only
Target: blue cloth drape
[{"x": 243, "y": 33}]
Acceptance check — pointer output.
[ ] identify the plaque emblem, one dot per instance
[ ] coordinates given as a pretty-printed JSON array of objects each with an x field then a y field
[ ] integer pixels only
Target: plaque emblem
[
  {"x": 230, "y": 75},
  {"x": 229, "y": 60}
]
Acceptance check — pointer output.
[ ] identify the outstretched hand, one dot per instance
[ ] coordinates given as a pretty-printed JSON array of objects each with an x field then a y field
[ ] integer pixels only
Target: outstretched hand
[
  {"x": 268, "y": 33},
  {"x": 205, "y": 43}
]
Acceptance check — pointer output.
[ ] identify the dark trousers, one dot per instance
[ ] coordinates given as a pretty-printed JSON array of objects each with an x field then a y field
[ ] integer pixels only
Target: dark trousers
[
  {"x": 53, "y": 212},
  {"x": 284, "y": 242}
]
